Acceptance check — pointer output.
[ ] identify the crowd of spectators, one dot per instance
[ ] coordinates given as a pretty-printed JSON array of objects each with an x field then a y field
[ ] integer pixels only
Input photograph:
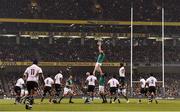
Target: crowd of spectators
[
  {"x": 90, "y": 9},
  {"x": 68, "y": 50},
  {"x": 1, "y": 88}
]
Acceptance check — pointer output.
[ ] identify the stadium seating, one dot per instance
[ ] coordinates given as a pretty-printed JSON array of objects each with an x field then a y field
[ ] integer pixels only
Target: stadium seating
[
  {"x": 90, "y": 9},
  {"x": 72, "y": 50}
]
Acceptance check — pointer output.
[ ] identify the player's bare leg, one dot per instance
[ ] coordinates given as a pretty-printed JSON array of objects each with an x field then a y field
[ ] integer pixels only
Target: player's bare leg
[
  {"x": 127, "y": 100},
  {"x": 98, "y": 69},
  {"x": 153, "y": 97},
  {"x": 88, "y": 97},
  {"x": 111, "y": 97},
  {"x": 70, "y": 99},
  {"x": 30, "y": 99},
  {"x": 61, "y": 98},
  {"x": 140, "y": 97},
  {"x": 43, "y": 97},
  {"x": 50, "y": 98},
  {"x": 18, "y": 98},
  {"x": 103, "y": 96}
]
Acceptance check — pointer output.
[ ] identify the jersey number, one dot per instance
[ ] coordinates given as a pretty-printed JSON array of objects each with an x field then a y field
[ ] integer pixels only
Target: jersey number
[
  {"x": 152, "y": 81},
  {"x": 32, "y": 72},
  {"x": 91, "y": 79},
  {"x": 47, "y": 82}
]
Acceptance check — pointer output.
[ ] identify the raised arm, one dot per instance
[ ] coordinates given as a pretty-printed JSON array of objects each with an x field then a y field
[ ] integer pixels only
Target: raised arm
[{"x": 100, "y": 49}]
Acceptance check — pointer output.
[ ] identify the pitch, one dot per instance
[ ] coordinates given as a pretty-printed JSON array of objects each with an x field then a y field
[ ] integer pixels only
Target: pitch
[{"x": 164, "y": 105}]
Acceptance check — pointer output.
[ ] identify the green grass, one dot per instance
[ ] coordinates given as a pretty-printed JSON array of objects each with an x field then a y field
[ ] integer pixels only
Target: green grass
[{"x": 164, "y": 105}]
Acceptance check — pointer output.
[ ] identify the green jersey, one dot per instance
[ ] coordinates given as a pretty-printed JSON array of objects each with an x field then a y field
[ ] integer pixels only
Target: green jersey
[
  {"x": 69, "y": 83},
  {"x": 102, "y": 80},
  {"x": 101, "y": 58}
]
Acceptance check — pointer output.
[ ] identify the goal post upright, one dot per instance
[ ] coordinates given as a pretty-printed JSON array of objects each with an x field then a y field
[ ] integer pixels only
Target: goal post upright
[
  {"x": 163, "y": 85},
  {"x": 131, "y": 66}
]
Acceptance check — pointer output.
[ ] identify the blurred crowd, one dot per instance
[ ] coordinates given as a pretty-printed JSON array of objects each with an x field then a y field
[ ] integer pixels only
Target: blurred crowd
[
  {"x": 144, "y": 51},
  {"x": 90, "y": 9}
]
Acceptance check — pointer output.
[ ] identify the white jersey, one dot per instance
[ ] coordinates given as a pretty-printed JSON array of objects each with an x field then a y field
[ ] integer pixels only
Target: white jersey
[
  {"x": 122, "y": 72},
  {"x": 57, "y": 78},
  {"x": 143, "y": 83},
  {"x": 113, "y": 82},
  {"x": 20, "y": 82},
  {"x": 151, "y": 81},
  {"x": 91, "y": 80},
  {"x": 49, "y": 82},
  {"x": 32, "y": 73}
]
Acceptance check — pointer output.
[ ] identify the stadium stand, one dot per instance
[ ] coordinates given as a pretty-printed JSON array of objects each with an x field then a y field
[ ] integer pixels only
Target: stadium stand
[
  {"x": 145, "y": 51},
  {"x": 89, "y": 9}
]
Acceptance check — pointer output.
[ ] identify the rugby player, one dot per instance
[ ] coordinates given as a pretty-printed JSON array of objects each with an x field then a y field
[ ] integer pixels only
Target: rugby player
[
  {"x": 33, "y": 74},
  {"x": 68, "y": 90},
  {"x": 113, "y": 84},
  {"x": 91, "y": 81},
  {"x": 99, "y": 60},
  {"x": 151, "y": 82},
  {"x": 48, "y": 88},
  {"x": 20, "y": 84}
]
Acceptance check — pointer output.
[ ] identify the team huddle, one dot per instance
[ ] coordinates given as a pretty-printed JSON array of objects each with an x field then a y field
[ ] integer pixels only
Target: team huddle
[{"x": 33, "y": 79}]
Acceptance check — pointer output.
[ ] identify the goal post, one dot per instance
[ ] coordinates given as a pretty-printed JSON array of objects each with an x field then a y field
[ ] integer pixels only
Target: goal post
[{"x": 162, "y": 55}]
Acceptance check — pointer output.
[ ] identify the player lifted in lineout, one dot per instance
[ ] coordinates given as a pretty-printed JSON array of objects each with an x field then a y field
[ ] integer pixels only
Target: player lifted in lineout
[{"x": 99, "y": 60}]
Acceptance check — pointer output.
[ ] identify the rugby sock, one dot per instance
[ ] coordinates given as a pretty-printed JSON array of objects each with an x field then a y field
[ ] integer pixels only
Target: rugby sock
[
  {"x": 115, "y": 99},
  {"x": 31, "y": 100},
  {"x": 126, "y": 98},
  {"x": 102, "y": 97},
  {"x": 18, "y": 98},
  {"x": 150, "y": 100},
  {"x": 105, "y": 98},
  {"x": 61, "y": 98},
  {"x": 42, "y": 99},
  {"x": 111, "y": 99},
  {"x": 119, "y": 100},
  {"x": 140, "y": 96},
  {"x": 70, "y": 99},
  {"x": 92, "y": 97}
]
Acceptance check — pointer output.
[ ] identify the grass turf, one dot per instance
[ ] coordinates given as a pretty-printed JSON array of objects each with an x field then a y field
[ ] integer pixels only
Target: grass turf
[{"x": 164, "y": 105}]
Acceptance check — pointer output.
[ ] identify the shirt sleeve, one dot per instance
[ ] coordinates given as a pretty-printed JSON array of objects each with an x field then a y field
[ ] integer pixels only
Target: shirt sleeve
[
  {"x": 95, "y": 78},
  {"x": 108, "y": 81},
  {"x": 26, "y": 71},
  {"x": 87, "y": 78},
  {"x": 117, "y": 82},
  {"x": 22, "y": 81},
  {"x": 40, "y": 70}
]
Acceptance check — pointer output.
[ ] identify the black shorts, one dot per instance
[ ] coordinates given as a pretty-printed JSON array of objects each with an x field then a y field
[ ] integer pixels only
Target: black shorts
[
  {"x": 31, "y": 85},
  {"x": 152, "y": 89},
  {"x": 113, "y": 90},
  {"x": 122, "y": 81},
  {"x": 143, "y": 90},
  {"x": 91, "y": 88},
  {"x": 17, "y": 90},
  {"x": 47, "y": 89},
  {"x": 58, "y": 88}
]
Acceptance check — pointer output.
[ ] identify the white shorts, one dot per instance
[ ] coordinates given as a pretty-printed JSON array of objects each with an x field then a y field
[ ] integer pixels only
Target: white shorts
[
  {"x": 122, "y": 91},
  {"x": 67, "y": 91},
  {"x": 101, "y": 89},
  {"x": 24, "y": 92},
  {"x": 98, "y": 64}
]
